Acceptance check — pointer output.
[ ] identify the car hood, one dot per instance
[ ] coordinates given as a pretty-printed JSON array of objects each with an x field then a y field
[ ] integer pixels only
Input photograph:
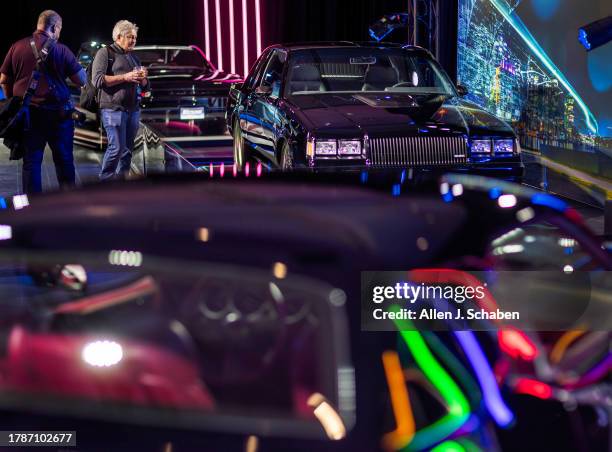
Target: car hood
[
  {"x": 381, "y": 114},
  {"x": 172, "y": 75}
]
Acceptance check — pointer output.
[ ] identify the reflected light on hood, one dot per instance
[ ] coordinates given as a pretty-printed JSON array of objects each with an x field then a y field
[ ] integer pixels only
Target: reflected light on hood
[
  {"x": 506, "y": 201},
  {"x": 20, "y": 201},
  {"x": 102, "y": 353},
  {"x": 525, "y": 214},
  {"x": 203, "y": 234},
  {"x": 6, "y": 232},
  {"x": 279, "y": 270},
  {"x": 457, "y": 190},
  {"x": 533, "y": 388},
  {"x": 327, "y": 416},
  {"x": 252, "y": 444},
  {"x": 125, "y": 258},
  {"x": 516, "y": 344}
]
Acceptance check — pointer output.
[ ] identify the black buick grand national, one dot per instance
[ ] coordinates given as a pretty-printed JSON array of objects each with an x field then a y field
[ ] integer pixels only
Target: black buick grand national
[
  {"x": 348, "y": 105},
  {"x": 187, "y": 98}
]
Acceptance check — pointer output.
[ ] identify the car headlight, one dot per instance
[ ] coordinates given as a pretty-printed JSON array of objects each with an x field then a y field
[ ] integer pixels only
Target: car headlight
[
  {"x": 505, "y": 146},
  {"x": 325, "y": 147},
  {"x": 349, "y": 147},
  {"x": 481, "y": 146}
]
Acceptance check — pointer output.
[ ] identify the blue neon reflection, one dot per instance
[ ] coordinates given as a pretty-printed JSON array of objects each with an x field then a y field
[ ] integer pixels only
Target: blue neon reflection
[
  {"x": 495, "y": 193},
  {"x": 364, "y": 177},
  {"x": 542, "y": 199}
]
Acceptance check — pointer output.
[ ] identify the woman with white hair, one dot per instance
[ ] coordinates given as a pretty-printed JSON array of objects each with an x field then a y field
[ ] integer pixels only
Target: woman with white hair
[{"x": 119, "y": 78}]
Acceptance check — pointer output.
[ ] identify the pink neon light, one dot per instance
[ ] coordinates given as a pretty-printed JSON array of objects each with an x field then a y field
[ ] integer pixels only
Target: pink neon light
[
  {"x": 219, "y": 46},
  {"x": 232, "y": 43},
  {"x": 222, "y": 169},
  {"x": 245, "y": 38},
  {"x": 235, "y": 170},
  {"x": 247, "y": 169},
  {"x": 214, "y": 74},
  {"x": 205, "y": 56},
  {"x": 516, "y": 344},
  {"x": 534, "y": 388},
  {"x": 212, "y": 170},
  {"x": 206, "y": 28},
  {"x": 259, "y": 169},
  {"x": 258, "y": 26}
]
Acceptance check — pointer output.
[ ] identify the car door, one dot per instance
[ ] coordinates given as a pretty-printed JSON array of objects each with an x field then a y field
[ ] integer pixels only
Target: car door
[{"x": 261, "y": 107}]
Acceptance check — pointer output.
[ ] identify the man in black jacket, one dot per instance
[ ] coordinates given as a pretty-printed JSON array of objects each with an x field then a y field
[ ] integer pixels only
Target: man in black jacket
[{"x": 50, "y": 119}]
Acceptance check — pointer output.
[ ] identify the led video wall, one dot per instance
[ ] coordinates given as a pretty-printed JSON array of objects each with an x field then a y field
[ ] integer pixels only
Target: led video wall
[{"x": 511, "y": 74}]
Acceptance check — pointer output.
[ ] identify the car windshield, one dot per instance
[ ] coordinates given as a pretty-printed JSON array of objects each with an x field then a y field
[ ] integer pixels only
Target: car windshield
[
  {"x": 364, "y": 69},
  {"x": 180, "y": 57}
]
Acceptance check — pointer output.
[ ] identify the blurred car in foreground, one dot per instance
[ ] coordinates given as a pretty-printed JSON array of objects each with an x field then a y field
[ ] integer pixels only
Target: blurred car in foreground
[
  {"x": 187, "y": 99},
  {"x": 206, "y": 314},
  {"x": 363, "y": 105}
]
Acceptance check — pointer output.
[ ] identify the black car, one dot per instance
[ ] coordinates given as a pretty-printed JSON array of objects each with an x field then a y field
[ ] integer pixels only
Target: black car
[
  {"x": 363, "y": 105},
  {"x": 187, "y": 99},
  {"x": 201, "y": 313}
]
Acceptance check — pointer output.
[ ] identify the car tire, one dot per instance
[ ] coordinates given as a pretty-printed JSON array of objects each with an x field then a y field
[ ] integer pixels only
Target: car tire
[
  {"x": 239, "y": 148},
  {"x": 286, "y": 158}
]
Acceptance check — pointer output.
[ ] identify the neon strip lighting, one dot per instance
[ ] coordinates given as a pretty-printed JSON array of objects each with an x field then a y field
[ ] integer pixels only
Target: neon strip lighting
[
  {"x": 219, "y": 46},
  {"x": 232, "y": 43},
  {"x": 533, "y": 388},
  {"x": 492, "y": 397},
  {"x": 245, "y": 39},
  {"x": 452, "y": 276},
  {"x": 454, "y": 365},
  {"x": 449, "y": 446},
  {"x": 468, "y": 445},
  {"x": 563, "y": 343},
  {"x": 458, "y": 407},
  {"x": 596, "y": 373},
  {"x": 400, "y": 402},
  {"x": 531, "y": 42},
  {"x": 258, "y": 26},
  {"x": 206, "y": 29},
  {"x": 516, "y": 344}
]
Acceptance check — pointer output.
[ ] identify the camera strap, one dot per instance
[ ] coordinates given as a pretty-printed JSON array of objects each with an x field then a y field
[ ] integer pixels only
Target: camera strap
[{"x": 43, "y": 67}]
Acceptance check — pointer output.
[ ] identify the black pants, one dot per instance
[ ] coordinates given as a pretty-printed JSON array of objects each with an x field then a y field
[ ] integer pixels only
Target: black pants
[{"x": 48, "y": 126}]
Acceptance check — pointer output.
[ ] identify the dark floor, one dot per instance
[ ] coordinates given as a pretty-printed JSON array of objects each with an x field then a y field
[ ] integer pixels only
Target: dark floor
[{"x": 88, "y": 165}]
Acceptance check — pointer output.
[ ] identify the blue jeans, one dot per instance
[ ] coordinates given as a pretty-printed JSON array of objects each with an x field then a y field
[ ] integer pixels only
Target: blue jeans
[
  {"x": 121, "y": 128},
  {"x": 47, "y": 126}
]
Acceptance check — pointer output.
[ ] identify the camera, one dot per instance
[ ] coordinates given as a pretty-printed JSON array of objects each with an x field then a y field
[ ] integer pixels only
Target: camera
[{"x": 78, "y": 116}]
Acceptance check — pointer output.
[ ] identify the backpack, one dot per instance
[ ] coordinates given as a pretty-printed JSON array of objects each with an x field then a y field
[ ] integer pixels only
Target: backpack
[
  {"x": 15, "y": 111},
  {"x": 89, "y": 93}
]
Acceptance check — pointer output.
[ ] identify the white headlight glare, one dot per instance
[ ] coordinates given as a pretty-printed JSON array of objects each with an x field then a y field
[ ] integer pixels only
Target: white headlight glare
[
  {"x": 481, "y": 146},
  {"x": 349, "y": 147},
  {"x": 325, "y": 147},
  {"x": 505, "y": 146}
]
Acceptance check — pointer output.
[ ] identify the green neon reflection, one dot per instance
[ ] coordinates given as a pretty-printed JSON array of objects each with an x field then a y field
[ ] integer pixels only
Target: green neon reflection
[
  {"x": 458, "y": 406},
  {"x": 449, "y": 446}
]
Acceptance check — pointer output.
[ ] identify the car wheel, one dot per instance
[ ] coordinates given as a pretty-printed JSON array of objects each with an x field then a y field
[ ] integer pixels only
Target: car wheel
[
  {"x": 286, "y": 158},
  {"x": 239, "y": 151}
]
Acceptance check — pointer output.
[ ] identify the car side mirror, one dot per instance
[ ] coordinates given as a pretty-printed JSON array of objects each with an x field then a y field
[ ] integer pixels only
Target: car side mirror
[
  {"x": 462, "y": 90},
  {"x": 263, "y": 89}
]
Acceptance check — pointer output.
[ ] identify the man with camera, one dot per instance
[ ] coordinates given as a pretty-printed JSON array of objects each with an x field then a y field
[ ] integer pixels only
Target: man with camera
[
  {"x": 119, "y": 77},
  {"x": 49, "y": 117}
]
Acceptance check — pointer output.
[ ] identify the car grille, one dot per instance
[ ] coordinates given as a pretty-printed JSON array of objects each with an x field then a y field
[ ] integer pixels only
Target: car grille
[{"x": 404, "y": 151}]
